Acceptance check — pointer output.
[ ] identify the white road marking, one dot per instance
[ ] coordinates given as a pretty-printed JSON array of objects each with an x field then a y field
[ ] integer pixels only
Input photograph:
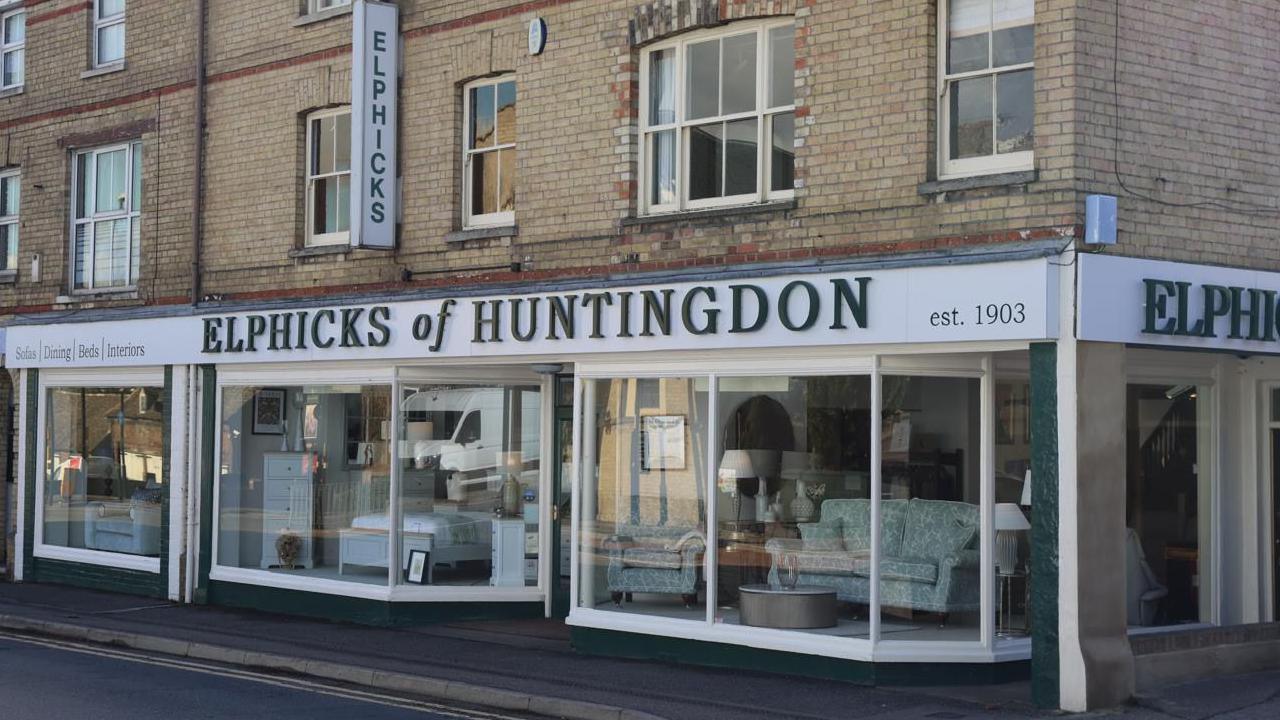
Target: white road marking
[{"x": 261, "y": 678}]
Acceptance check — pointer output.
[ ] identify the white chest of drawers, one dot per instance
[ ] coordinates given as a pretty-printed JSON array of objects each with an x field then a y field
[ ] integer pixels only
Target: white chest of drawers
[
  {"x": 288, "y": 504},
  {"x": 508, "y": 553}
]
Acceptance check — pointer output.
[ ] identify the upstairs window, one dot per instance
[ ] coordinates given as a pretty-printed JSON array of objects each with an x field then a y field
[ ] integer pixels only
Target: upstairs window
[
  {"x": 9, "y": 204},
  {"x": 717, "y": 118},
  {"x": 329, "y": 177},
  {"x": 489, "y": 153},
  {"x": 13, "y": 44},
  {"x": 107, "y": 209},
  {"x": 108, "y": 32},
  {"x": 988, "y": 80},
  {"x": 315, "y": 6}
]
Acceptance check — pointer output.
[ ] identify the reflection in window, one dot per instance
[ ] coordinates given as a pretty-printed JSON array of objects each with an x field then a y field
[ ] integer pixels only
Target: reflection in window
[
  {"x": 643, "y": 503},
  {"x": 1167, "y": 519},
  {"x": 304, "y": 480},
  {"x": 793, "y": 502},
  {"x": 930, "y": 483},
  {"x": 104, "y": 469},
  {"x": 469, "y": 459}
]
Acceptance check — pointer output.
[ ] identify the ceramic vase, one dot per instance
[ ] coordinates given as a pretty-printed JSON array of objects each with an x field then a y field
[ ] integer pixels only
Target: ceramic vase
[{"x": 802, "y": 507}]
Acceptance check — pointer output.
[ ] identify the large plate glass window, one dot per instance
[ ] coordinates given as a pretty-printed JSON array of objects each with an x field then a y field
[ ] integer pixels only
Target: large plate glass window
[
  {"x": 10, "y": 201},
  {"x": 104, "y": 469},
  {"x": 793, "y": 508},
  {"x": 329, "y": 177},
  {"x": 1170, "y": 497},
  {"x": 643, "y": 533},
  {"x": 717, "y": 118},
  {"x": 489, "y": 153},
  {"x": 470, "y": 491},
  {"x": 304, "y": 480},
  {"x": 108, "y": 32},
  {"x": 13, "y": 44},
  {"x": 106, "y": 214},
  {"x": 931, "y": 485},
  {"x": 988, "y": 78}
]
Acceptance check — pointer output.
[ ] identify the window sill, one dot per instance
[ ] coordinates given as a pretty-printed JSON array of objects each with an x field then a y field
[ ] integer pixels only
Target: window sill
[
  {"x": 10, "y": 92},
  {"x": 79, "y": 296},
  {"x": 975, "y": 182},
  {"x": 711, "y": 213},
  {"x": 8, "y": 277},
  {"x": 481, "y": 233},
  {"x": 104, "y": 70},
  {"x": 319, "y": 250},
  {"x": 322, "y": 15}
]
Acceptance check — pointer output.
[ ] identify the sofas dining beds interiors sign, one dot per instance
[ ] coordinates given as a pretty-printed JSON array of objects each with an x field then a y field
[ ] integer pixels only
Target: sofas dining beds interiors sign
[{"x": 1014, "y": 300}]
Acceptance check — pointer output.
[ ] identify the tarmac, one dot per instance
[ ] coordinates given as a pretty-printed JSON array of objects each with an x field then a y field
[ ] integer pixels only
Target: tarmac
[{"x": 530, "y": 666}]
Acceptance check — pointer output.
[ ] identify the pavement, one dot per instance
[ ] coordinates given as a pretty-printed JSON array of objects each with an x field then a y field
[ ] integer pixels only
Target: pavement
[{"x": 530, "y": 666}]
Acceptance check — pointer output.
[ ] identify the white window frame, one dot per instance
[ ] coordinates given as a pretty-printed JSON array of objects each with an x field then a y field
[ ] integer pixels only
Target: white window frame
[
  {"x": 12, "y": 221},
  {"x": 763, "y": 115},
  {"x": 494, "y": 219},
  {"x": 341, "y": 237},
  {"x": 393, "y": 377},
  {"x": 989, "y": 164},
  {"x": 969, "y": 360},
  {"x": 319, "y": 6},
  {"x": 50, "y": 379},
  {"x": 132, "y": 211},
  {"x": 101, "y": 23},
  {"x": 7, "y": 49}
]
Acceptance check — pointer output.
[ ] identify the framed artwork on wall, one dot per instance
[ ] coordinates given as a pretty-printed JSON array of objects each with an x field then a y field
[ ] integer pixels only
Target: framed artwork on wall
[
  {"x": 268, "y": 412},
  {"x": 662, "y": 442}
]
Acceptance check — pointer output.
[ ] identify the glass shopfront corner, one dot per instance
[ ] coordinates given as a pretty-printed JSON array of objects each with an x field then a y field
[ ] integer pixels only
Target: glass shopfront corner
[
  {"x": 415, "y": 486},
  {"x": 743, "y": 507}
]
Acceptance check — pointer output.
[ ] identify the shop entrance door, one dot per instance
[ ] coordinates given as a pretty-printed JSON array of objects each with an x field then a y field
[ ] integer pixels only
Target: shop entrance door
[{"x": 561, "y": 491}]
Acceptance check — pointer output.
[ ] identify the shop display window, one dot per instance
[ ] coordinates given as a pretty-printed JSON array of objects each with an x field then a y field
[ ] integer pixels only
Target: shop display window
[
  {"x": 1169, "y": 493},
  {"x": 104, "y": 469},
  {"x": 302, "y": 470},
  {"x": 470, "y": 461}
]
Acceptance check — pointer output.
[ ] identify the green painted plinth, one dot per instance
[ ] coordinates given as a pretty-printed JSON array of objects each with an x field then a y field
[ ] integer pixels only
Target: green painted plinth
[{"x": 610, "y": 643}]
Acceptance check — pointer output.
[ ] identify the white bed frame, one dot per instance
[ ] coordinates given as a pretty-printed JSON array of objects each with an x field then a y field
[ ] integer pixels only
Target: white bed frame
[{"x": 369, "y": 548}]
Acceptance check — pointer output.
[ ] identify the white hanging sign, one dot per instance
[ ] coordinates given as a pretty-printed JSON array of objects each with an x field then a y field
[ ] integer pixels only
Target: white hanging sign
[{"x": 375, "y": 87}]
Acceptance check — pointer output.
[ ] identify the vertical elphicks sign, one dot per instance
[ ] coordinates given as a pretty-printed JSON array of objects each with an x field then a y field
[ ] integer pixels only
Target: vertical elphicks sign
[{"x": 375, "y": 88}]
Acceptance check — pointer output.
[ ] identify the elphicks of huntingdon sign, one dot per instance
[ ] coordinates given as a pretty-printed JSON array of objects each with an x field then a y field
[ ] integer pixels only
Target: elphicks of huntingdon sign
[{"x": 375, "y": 82}]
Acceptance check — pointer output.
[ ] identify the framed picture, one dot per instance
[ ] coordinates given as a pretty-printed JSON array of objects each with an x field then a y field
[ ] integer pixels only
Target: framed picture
[
  {"x": 662, "y": 442},
  {"x": 268, "y": 412},
  {"x": 417, "y": 571}
]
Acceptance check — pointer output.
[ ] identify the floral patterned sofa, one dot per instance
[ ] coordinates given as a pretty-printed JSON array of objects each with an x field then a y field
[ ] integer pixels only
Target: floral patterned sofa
[
  {"x": 929, "y": 556},
  {"x": 654, "y": 559}
]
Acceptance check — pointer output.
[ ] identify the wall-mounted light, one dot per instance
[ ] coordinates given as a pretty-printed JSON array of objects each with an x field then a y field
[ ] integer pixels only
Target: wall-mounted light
[{"x": 35, "y": 267}]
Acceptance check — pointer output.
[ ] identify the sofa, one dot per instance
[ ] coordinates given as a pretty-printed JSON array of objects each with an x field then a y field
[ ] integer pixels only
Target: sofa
[
  {"x": 123, "y": 527},
  {"x": 654, "y": 559},
  {"x": 929, "y": 554}
]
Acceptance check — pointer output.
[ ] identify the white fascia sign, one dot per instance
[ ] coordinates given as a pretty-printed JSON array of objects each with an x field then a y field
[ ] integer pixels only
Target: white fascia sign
[
  {"x": 375, "y": 97},
  {"x": 1005, "y": 301}
]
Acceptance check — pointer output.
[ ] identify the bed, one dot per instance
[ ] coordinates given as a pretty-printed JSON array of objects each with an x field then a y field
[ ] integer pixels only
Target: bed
[{"x": 449, "y": 538}]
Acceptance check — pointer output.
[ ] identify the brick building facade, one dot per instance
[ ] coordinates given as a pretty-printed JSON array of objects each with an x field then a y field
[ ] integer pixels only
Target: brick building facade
[{"x": 870, "y": 154}]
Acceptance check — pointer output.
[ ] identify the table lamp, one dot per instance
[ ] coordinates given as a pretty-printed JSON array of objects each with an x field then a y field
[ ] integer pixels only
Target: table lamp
[
  {"x": 1009, "y": 522},
  {"x": 735, "y": 465}
]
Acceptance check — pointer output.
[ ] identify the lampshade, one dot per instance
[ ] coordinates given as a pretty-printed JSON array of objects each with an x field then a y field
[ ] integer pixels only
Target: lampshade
[
  {"x": 765, "y": 462},
  {"x": 795, "y": 463},
  {"x": 1026, "y": 490},
  {"x": 511, "y": 461},
  {"x": 1009, "y": 517},
  {"x": 737, "y": 464},
  {"x": 415, "y": 431}
]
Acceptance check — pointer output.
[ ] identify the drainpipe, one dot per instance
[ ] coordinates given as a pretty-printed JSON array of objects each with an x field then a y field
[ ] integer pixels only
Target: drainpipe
[{"x": 197, "y": 184}]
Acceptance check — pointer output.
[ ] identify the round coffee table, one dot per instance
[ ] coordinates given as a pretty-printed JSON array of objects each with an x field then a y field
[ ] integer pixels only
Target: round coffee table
[{"x": 804, "y": 606}]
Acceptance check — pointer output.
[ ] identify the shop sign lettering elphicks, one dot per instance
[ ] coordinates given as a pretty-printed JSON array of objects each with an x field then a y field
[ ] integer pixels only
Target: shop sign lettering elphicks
[
  {"x": 698, "y": 310},
  {"x": 1245, "y": 313},
  {"x": 968, "y": 303},
  {"x": 375, "y": 63}
]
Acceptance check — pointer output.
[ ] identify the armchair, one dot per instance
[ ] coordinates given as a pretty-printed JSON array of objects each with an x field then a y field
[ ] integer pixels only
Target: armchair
[{"x": 654, "y": 560}]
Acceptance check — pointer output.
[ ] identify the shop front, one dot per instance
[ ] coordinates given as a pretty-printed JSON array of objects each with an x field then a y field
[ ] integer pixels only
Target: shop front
[{"x": 829, "y": 463}]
